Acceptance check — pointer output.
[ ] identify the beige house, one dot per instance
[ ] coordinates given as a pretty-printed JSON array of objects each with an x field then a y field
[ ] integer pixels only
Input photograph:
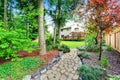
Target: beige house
[{"x": 72, "y": 31}]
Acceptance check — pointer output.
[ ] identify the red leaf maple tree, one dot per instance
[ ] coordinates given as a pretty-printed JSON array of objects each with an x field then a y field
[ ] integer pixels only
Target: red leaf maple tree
[{"x": 104, "y": 14}]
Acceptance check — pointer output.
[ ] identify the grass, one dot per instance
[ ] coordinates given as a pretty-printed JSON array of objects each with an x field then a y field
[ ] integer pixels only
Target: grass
[
  {"x": 18, "y": 69},
  {"x": 73, "y": 44}
]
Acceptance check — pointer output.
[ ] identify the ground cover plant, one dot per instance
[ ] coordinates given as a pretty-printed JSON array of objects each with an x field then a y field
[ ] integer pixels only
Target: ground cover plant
[
  {"x": 81, "y": 48},
  {"x": 104, "y": 61},
  {"x": 91, "y": 73},
  {"x": 84, "y": 55},
  {"x": 64, "y": 48},
  {"x": 109, "y": 48},
  {"x": 18, "y": 69}
]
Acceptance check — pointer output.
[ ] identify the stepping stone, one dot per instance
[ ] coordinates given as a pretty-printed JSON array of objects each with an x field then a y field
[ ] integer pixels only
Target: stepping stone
[
  {"x": 62, "y": 71},
  {"x": 75, "y": 77},
  {"x": 49, "y": 72},
  {"x": 50, "y": 76},
  {"x": 60, "y": 53},
  {"x": 63, "y": 77},
  {"x": 43, "y": 77}
]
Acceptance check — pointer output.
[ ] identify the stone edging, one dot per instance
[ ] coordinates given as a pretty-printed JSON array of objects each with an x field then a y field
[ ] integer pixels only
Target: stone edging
[
  {"x": 44, "y": 68},
  {"x": 82, "y": 61}
]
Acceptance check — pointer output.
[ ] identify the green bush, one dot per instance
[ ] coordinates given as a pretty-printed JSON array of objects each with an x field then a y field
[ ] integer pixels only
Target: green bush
[
  {"x": 13, "y": 41},
  {"x": 49, "y": 43},
  {"x": 109, "y": 48},
  {"x": 90, "y": 42},
  {"x": 104, "y": 61},
  {"x": 91, "y": 73},
  {"x": 18, "y": 69},
  {"x": 64, "y": 48},
  {"x": 84, "y": 55},
  {"x": 81, "y": 48}
]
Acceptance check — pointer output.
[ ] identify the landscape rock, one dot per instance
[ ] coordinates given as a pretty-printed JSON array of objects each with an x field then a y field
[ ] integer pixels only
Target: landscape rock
[
  {"x": 43, "y": 69},
  {"x": 36, "y": 75}
]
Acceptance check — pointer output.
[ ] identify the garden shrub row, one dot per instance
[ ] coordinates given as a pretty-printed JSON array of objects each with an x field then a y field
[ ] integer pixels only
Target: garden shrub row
[{"x": 13, "y": 41}]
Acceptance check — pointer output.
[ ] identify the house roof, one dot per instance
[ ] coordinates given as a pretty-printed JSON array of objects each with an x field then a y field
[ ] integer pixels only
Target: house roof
[{"x": 75, "y": 25}]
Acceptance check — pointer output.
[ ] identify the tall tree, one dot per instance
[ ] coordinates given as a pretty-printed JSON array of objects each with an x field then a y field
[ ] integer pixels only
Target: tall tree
[
  {"x": 5, "y": 13},
  {"x": 60, "y": 11},
  {"x": 41, "y": 27},
  {"x": 104, "y": 14}
]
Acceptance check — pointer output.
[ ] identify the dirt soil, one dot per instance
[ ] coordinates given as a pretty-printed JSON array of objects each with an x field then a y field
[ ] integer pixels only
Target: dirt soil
[
  {"x": 113, "y": 59},
  {"x": 46, "y": 57}
]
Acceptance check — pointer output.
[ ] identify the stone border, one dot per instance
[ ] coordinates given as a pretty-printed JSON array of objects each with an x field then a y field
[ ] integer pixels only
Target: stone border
[
  {"x": 44, "y": 68},
  {"x": 82, "y": 61}
]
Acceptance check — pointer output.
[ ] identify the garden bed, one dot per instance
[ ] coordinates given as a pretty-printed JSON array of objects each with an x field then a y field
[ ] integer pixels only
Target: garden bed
[
  {"x": 112, "y": 56},
  {"x": 47, "y": 57},
  {"x": 33, "y": 56}
]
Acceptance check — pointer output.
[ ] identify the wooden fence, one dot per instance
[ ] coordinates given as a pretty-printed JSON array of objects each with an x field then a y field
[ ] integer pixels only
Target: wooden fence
[{"x": 113, "y": 40}]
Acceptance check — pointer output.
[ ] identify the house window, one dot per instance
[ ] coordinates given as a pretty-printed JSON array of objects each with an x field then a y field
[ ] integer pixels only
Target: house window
[
  {"x": 76, "y": 29},
  {"x": 61, "y": 30}
]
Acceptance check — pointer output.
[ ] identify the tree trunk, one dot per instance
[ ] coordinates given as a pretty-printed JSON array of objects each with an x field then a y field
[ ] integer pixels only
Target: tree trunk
[
  {"x": 58, "y": 19},
  {"x": 96, "y": 41},
  {"x": 54, "y": 37},
  {"x": 5, "y": 13},
  {"x": 100, "y": 45},
  {"x": 10, "y": 10},
  {"x": 42, "y": 43}
]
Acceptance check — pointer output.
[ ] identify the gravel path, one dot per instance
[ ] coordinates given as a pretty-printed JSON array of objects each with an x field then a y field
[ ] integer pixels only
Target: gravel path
[{"x": 65, "y": 69}]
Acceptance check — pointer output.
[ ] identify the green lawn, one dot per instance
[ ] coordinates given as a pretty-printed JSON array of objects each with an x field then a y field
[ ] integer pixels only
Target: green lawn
[{"x": 73, "y": 44}]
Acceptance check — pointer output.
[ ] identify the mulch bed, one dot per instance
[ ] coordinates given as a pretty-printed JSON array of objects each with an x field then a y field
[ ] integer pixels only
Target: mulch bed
[
  {"x": 46, "y": 57},
  {"x": 113, "y": 58},
  {"x": 114, "y": 61}
]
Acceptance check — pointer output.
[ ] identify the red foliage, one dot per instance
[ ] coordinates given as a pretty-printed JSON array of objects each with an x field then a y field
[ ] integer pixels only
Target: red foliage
[{"x": 104, "y": 13}]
